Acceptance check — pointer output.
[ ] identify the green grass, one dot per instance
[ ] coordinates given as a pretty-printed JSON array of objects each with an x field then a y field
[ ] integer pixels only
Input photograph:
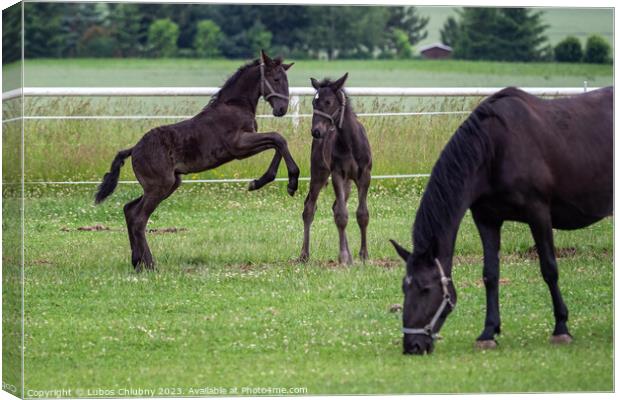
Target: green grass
[
  {"x": 415, "y": 73},
  {"x": 230, "y": 308},
  {"x": 83, "y": 150}
]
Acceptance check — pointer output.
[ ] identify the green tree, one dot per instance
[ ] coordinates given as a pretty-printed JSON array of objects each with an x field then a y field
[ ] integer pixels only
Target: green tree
[
  {"x": 568, "y": 50},
  {"x": 503, "y": 34},
  {"x": 208, "y": 39},
  {"x": 42, "y": 30},
  {"x": 408, "y": 20},
  {"x": 76, "y": 18},
  {"x": 597, "y": 50},
  {"x": 347, "y": 31},
  {"x": 258, "y": 37},
  {"x": 126, "y": 29},
  {"x": 402, "y": 45},
  {"x": 11, "y": 33},
  {"x": 96, "y": 42},
  {"x": 162, "y": 38},
  {"x": 449, "y": 32}
]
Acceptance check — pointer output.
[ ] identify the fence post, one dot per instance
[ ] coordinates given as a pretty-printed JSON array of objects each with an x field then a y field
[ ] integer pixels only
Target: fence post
[{"x": 295, "y": 105}]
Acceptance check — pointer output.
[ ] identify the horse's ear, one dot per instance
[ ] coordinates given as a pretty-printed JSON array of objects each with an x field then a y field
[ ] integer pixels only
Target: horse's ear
[
  {"x": 265, "y": 58},
  {"x": 339, "y": 84},
  {"x": 287, "y": 66},
  {"x": 402, "y": 252},
  {"x": 315, "y": 83}
]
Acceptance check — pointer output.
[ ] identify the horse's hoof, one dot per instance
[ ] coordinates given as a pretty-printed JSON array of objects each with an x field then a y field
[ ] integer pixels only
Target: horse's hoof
[
  {"x": 291, "y": 191},
  {"x": 345, "y": 261},
  {"x": 252, "y": 185},
  {"x": 561, "y": 339},
  {"x": 303, "y": 258},
  {"x": 486, "y": 344}
]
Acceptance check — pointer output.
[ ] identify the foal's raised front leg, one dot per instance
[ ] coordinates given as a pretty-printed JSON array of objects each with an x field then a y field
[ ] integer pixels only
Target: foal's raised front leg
[
  {"x": 269, "y": 175},
  {"x": 542, "y": 231},
  {"x": 490, "y": 235},
  {"x": 317, "y": 182},
  {"x": 341, "y": 215},
  {"x": 248, "y": 144}
]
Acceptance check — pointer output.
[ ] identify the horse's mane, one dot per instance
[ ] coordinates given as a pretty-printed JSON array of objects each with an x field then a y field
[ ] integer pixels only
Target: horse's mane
[
  {"x": 468, "y": 149},
  {"x": 234, "y": 78}
]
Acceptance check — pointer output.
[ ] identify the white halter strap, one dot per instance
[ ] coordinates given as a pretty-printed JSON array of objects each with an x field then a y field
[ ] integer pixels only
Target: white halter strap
[{"x": 264, "y": 82}]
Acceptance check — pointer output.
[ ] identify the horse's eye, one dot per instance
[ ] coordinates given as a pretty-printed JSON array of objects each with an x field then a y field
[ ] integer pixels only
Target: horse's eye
[{"x": 328, "y": 103}]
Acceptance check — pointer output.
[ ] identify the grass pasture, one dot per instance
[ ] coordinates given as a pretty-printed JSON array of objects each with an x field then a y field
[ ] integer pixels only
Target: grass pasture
[{"x": 230, "y": 308}]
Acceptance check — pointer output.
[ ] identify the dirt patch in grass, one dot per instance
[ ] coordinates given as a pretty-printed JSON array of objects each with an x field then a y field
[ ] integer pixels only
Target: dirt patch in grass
[
  {"x": 386, "y": 263},
  {"x": 41, "y": 261},
  {"x": 93, "y": 228},
  {"x": 480, "y": 283},
  {"x": 560, "y": 252},
  {"x": 167, "y": 230},
  {"x": 101, "y": 228}
]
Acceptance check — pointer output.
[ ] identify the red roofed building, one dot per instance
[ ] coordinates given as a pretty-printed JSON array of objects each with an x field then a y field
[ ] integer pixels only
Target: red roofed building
[{"x": 436, "y": 51}]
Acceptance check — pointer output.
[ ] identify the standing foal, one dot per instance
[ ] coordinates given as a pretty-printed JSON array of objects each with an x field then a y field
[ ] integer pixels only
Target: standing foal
[{"x": 340, "y": 148}]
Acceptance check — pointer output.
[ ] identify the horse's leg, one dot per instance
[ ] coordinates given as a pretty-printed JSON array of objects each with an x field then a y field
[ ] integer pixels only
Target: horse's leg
[
  {"x": 541, "y": 228},
  {"x": 249, "y": 144},
  {"x": 128, "y": 211},
  {"x": 490, "y": 235},
  {"x": 362, "y": 211},
  {"x": 153, "y": 196},
  {"x": 269, "y": 175},
  {"x": 317, "y": 182},
  {"x": 341, "y": 215}
]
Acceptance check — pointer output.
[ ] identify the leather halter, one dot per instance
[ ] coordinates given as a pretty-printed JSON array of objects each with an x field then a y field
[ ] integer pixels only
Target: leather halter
[
  {"x": 264, "y": 82},
  {"x": 331, "y": 117},
  {"x": 447, "y": 300}
]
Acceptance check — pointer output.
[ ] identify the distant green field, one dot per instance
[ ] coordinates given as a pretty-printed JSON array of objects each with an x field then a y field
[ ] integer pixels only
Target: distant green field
[
  {"x": 579, "y": 22},
  {"x": 414, "y": 73}
]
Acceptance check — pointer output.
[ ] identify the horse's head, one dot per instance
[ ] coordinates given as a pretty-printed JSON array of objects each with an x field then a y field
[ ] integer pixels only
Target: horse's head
[
  {"x": 274, "y": 83},
  {"x": 429, "y": 298},
  {"x": 328, "y": 106}
]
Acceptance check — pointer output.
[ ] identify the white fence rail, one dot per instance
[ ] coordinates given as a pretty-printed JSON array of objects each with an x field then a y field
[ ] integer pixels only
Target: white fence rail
[{"x": 293, "y": 91}]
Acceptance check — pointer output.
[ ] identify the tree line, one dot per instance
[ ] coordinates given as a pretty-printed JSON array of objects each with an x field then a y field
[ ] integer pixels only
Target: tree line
[
  {"x": 231, "y": 31},
  {"x": 61, "y": 30},
  {"x": 514, "y": 34}
]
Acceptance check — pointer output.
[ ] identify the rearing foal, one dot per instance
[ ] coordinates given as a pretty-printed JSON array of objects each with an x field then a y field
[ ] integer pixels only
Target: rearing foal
[
  {"x": 223, "y": 131},
  {"x": 340, "y": 148}
]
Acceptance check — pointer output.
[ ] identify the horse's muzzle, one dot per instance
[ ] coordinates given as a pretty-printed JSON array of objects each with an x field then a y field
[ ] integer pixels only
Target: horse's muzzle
[
  {"x": 279, "y": 111},
  {"x": 417, "y": 344}
]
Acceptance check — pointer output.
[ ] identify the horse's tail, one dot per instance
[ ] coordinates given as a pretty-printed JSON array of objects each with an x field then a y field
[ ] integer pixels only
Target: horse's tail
[{"x": 110, "y": 179}]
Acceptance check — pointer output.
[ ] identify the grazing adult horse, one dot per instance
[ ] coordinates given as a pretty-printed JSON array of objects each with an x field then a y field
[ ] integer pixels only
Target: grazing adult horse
[
  {"x": 224, "y": 130},
  {"x": 517, "y": 157},
  {"x": 340, "y": 148}
]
